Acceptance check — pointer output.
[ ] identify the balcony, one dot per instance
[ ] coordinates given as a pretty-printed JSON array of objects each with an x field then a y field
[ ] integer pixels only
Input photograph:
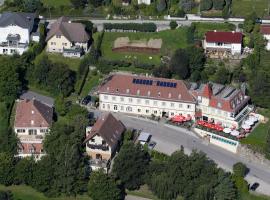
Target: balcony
[
  {"x": 99, "y": 147},
  {"x": 29, "y": 138},
  {"x": 14, "y": 45}
]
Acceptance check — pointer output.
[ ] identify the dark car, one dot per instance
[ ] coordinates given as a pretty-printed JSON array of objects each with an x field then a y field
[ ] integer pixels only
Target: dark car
[
  {"x": 258, "y": 20},
  {"x": 151, "y": 144},
  {"x": 86, "y": 100},
  {"x": 254, "y": 186}
]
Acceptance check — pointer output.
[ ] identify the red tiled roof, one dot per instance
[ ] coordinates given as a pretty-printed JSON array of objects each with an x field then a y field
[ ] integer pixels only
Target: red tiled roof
[
  {"x": 123, "y": 85},
  {"x": 225, "y": 37},
  {"x": 30, "y": 148},
  {"x": 207, "y": 91},
  {"x": 265, "y": 29},
  {"x": 33, "y": 113},
  {"x": 109, "y": 128}
]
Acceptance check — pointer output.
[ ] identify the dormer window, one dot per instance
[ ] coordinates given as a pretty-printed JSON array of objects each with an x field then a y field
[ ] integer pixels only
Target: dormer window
[
  {"x": 127, "y": 91},
  {"x": 108, "y": 89},
  {"x": 138, "y": 92},
  {"x": 219, "y": 105},
  {"x": 159, "y": 94},
  {"x": 169, "y": 95},
  {"x": 117, "y": 89},
  {"x": 148, "y": 93},
  {"x": 58, "y": 36},
  {"x": 179, "y": 96}
]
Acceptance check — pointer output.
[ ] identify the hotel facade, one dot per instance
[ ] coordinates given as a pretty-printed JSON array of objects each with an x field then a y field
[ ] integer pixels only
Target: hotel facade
[{"x": 142, "y": 95}]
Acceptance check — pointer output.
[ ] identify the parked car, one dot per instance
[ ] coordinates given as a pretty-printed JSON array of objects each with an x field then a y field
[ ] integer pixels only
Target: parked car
[
  {"x": 86, "y": 100},
  {"x": 254, "y": 186},
  {"x": 258, "y": 20},
  {"x": 151, "y": 144}
]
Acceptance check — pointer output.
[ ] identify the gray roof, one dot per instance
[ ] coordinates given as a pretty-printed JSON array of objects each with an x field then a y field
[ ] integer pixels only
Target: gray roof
[
  {"x": 74, "y": 32},
  {"x": 24, "y": 20},
  {"x": 29, "y": 95}
]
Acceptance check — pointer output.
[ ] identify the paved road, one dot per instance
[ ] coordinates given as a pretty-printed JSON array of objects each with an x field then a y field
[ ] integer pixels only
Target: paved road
[
  {"x": 169, "y": 140},
  {"x": 131, "y": 197}
]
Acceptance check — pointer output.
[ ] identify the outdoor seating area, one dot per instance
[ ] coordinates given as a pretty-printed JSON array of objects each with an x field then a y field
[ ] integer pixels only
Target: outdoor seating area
[
  {"x": 231, "y": 133},
  {"x": 180, "y": 118}
]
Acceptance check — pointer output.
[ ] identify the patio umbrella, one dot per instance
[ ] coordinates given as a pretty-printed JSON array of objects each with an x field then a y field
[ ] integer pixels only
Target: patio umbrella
[
  {"x": 249, "y": 122},
  {"x": 245, "y": 126},
  {"x": 253, "y": 118},
  {"x": 219, "y": 128},
  {"x": 235, "y": 133},
  {"x": 212, "y": 126},
  {"x": 188, "y": 118},
  {"x": 200, "y": 122},
  {"x": 227, "y": 130},
  {"x": 178, "y": 118}
]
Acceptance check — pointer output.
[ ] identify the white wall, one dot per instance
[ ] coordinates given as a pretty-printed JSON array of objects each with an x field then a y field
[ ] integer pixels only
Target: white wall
[
  {"x": 234, "y": 48},
  {"x": 143, "y": 106},
  {"x": 267, "y": 37},
  {"x": 28, "y": 128},
  {"x": 147, "y": 2},
  {"x": 24, "y": 33}
]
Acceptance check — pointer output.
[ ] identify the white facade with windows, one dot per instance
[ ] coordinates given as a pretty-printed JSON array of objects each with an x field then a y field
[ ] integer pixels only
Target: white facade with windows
[
  {"x": 233, "y": 48},
  {"x": 146, "y": 2},
  {"x": 145, "y": 106}
]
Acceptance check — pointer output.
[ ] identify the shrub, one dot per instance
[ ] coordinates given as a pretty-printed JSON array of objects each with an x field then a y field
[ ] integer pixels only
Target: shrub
[
  {"x": 206, "y": 5},
  {"x": 173, "y": 25}
]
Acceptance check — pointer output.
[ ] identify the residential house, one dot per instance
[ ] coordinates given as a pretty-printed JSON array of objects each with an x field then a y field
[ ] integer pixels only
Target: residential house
[
  {"x": 68, "y": 38},
  {"x": 17, "y": 31},
  {"x": 265, "y": 31},
  {"x": 220, "y": 42},
  {"x": 221, "y": 104},
  {"x": 143, "y": 95},
  {"x": 102, "y": 140},
  {"x": 32, "y": 122}
]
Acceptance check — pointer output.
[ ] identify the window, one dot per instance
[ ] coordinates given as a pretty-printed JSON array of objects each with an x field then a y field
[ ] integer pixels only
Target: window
[
  {"x": 129, "y": 109},
  {"x": 103, "y": 106},
  {"x": 115, "y": 107},
  {"x": 32, "y": 131},
  {"x": 219, "y": 104},
  {"x": 172, "y": 105},
  {"x": 139, "y": 110},
  {"x": 103, "y": 142},
  {"x": 147, "y": 111},
  {"x": 32, "y": 150},
  {"x": 130, "y": 100},
  {"x": 58, "y": 36},
  {"x": 122, "y": 108},
  {"x": 146, "y": 102},
  {"x": 12, "y": 51},
  {"x": 44, "y": 130},
  {"x": 155, "y": 112},
  {"x": 148, "y": 93},
  {"x": 199, "y": 99},
  {"x": 155, "y": 103},
  {"x": 169, "y": 95},
  {"x": 172, "y": 114},
  {"x": 188, "y": 106},
  {"x": 180, "y": 105},
  {"x": 20, "y": 150},
  {"x": 139, "y": 101},
  {"x": 20, "y": 130},
  {"x": 105, "y": 97},
  {"x": 127, "y": 91},
  {"x": 121, "y": 98},
  {"x": 113, "y": 98},
  {"x": 93, "y": 140},
  {"x": 52, "y": 43},
  {"x": 108, "y": 106},
  {"x": 138, "y": 92},
  {"x": 163, "y": 103}
]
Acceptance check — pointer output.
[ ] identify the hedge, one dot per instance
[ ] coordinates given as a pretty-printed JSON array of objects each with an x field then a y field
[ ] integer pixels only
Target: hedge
[{"x": 144, "y": 27}]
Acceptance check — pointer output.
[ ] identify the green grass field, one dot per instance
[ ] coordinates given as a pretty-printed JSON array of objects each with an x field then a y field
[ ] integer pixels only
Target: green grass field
[
  {"x": 90, "y": 82},
  {"x": 202, "y": 28},
  {"x": 242, "y": 8},
  {"x": 23, "y": 192},
  {"x": 73, "y": 63},
  {"x": 257, "y": 138},
  {"x": 171, "y": 40}
]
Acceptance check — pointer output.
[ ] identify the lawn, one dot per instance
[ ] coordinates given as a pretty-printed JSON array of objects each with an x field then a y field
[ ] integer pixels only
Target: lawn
[
  {"x": 23, "y": 192},
  {"x": 143, "y": 192},
  {"x": 202, "y": 28},
  {"x": 242, "y": 8},
  {"x": 171, "y": 40},
  {"x": 73, "y": 63},
  {"x": 250, "y": 196},
  {"x": 257, "y": 139},
  {"x": 90, "y": 82}
]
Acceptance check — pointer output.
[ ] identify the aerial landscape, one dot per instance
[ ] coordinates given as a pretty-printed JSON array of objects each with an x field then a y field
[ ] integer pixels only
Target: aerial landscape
[{"x": 134, "y": 99}]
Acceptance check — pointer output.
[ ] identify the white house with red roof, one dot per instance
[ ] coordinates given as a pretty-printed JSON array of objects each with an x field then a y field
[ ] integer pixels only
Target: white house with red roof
[
  {"x": 265, "y": 31},
  {"x": 142, "y": 95},
  {"x": 32, "y": 122},
  {"x": 221, "y": 104},
  {"x": 219, "y": 41}
]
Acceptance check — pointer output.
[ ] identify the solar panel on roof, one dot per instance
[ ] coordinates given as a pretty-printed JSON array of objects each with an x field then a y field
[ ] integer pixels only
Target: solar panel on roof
[
  {"x": 151, "y": 82},
  {"x": 168, "y": 84},
  {"x": 134, "y": 80},
  {"x": 174, "y": 85},
  {"x": 144, "y": 82},
  {"x": 140, "y": 82},
  {"x": 158, "y": 83}
]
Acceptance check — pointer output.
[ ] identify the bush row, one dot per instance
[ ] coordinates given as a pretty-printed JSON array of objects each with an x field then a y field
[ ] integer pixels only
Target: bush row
[{"x": 144, "y": 27}]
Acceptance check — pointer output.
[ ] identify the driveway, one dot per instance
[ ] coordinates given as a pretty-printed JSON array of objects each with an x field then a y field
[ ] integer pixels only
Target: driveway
[{"x": 170, "y": 139}]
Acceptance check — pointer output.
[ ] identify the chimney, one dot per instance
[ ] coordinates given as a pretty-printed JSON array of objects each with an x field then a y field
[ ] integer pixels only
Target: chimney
[
  {"x": 233, "y": 31},
  {"x": 215, "y": 30}
]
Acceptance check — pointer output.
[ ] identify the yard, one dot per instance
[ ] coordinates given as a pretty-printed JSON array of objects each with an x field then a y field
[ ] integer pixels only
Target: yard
[
  {"x": 242, "y": 8},
  {"x": 56, "y": 3},
  {"x": 171, "y": 40},
  {"x": 73, "y": 63},
  {"x": 23, "y": 192},
  {"x": 257, "y": 139},
  {"x": 91, "y": 81},
  {"x": 202, "y": 28}
]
